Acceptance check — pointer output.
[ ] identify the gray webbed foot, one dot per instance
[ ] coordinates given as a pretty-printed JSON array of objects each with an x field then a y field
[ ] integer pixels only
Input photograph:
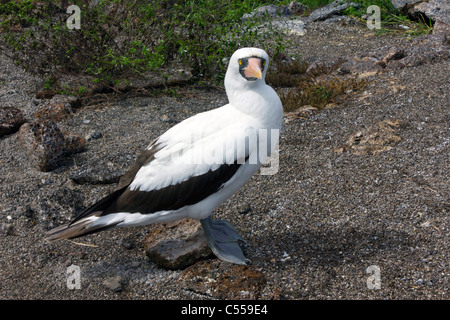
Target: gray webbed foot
[{"x": 223, "y": 239}]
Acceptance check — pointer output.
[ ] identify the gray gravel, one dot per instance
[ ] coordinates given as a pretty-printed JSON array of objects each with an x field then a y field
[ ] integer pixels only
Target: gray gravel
[{"x": 312, "y": 229}]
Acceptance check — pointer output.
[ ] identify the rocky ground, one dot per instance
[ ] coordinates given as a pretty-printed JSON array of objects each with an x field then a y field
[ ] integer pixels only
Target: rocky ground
[{"x": 362, "y": 185}]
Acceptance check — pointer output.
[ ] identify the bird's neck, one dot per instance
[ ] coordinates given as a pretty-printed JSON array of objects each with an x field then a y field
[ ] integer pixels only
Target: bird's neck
[
  {"x": 246, "y": 97},
  {"x": 260, "y": 101}
]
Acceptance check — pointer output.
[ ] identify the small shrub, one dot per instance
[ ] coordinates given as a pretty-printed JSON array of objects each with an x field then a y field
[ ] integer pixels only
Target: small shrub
[
  {"x": 320, "y": 92},
  {"x": 300, "y": 83},
  {"x": 390, "y": 17}
]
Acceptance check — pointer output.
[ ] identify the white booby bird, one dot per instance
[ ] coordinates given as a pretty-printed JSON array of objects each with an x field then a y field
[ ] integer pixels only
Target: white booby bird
[{"x": 197, "y": 164}]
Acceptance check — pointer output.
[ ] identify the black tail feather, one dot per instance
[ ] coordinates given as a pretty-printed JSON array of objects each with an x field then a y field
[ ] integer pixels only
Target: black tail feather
[
  {"x": 99, "y": 206},
  {"x": 75, "y": 230}
]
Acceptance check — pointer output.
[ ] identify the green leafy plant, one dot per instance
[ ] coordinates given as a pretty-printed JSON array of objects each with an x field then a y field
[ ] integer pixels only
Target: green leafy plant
[
  {"x": 119, "y": 39},
  {"x": 390, "y": 17}
]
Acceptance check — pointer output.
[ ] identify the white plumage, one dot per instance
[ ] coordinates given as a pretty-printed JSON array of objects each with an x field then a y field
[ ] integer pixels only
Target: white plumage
[{"x": 217, "y": 149}]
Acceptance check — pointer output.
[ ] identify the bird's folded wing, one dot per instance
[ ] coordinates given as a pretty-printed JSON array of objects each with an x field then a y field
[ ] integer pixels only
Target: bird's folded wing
[
  {"x": 194, "y": 154},
  {"x": 175, "y": 173}
]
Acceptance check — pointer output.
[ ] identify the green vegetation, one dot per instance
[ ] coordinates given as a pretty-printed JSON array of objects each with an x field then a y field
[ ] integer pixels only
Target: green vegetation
[
  {"x": 119, "y": 38},
  {"x": 314, "y": 4},
  {"x": 391, "y": 18},
  {"x": 386, "y": 8}
]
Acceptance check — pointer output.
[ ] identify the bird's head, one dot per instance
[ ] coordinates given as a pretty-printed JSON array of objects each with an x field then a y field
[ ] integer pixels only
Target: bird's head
[{"x": 247, "y": 67}]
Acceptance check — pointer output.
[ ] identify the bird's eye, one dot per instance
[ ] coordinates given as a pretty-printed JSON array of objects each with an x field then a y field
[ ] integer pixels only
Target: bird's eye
[
  {"x": 240, "y": 61},
  {"x": 264, "y": 63}
]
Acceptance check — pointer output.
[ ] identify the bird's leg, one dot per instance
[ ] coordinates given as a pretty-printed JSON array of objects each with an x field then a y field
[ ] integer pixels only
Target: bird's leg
[{"x": 223, "y": 239}]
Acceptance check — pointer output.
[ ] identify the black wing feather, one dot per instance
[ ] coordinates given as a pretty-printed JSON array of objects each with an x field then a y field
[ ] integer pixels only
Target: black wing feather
[{"x": 176, "y": 196}]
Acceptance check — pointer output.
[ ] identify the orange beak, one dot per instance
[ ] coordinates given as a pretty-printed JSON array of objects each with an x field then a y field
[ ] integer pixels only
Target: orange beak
[{"x": 253, "y": 69}]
